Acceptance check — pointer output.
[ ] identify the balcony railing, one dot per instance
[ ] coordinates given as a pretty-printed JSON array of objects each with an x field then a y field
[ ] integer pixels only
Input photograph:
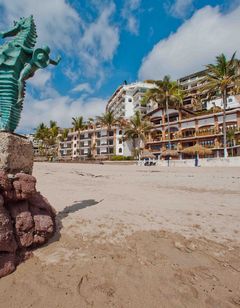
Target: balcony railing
[
  {"x": 85, "y": 137},
  {"x": 82, "y": 145},
  {"x": 110, "y": 135}
]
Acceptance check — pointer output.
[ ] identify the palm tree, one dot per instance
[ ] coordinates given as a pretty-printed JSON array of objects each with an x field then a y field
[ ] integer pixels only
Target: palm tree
[
  {"x": 107, "y": 120},
  {"x": 220, "y": 77},
  {"x": 136, "y": 130},
  {"x": 78, "y": 123},
  {"x": 122, "y": 122},
  {"x": 64, "y": 134},
  {"x": 48, "y": 136},
  {"x": 231, "y": 137},
  {"x": 196, "y": 102},
  {"x": 52, "y": 132},
  {"x": 41, "y": 132},
  {"x": 90, "y": 122},
  {"x": 166, "y": 94}
]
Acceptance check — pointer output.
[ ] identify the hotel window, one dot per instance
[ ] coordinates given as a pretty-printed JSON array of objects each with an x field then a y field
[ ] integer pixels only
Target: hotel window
[
  {"x": 120, "y": 132},
  {"x": 120, "y": 150}
]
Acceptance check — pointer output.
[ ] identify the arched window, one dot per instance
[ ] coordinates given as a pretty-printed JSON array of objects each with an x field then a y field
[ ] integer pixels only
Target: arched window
[{"x": 120, "y": 150}]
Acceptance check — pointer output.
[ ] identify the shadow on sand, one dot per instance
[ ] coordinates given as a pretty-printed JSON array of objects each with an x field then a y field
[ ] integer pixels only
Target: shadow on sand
[{"x": 76, "y": 206}]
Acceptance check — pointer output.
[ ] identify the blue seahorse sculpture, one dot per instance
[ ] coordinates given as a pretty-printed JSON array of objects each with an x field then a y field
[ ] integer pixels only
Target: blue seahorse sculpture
[{"x": 18, "y": 62}]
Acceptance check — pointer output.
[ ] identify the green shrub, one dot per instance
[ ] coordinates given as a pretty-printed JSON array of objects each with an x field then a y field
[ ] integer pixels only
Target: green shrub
[{"x": 121, "y": 158}]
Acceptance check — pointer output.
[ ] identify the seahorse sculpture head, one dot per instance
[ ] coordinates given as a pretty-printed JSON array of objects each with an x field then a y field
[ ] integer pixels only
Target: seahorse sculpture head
[{"x": 18, "y": 62}]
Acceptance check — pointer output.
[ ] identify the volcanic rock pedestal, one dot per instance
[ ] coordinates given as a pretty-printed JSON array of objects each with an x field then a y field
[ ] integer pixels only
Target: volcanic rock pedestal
[
  {"x": 16, "y": 153},
  {"x": 27, "y": 220}
]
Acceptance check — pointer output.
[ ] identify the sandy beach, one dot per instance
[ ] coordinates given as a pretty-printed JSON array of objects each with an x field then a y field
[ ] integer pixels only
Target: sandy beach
[{"x": 132, "y": 236}]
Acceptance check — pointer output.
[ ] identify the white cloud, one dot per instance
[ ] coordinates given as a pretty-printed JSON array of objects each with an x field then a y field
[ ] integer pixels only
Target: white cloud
[
  {"x": 61, "y": 109},
  {"x": 83, "y": 87},
  {"x": 180, "y": 8},
  {"x": 87, "y": 49},
  {"x": 99, "y": 41},
  {"x": 196, "y": 43},
  {"x": 57, "y": 22},
  {"x": 91, "y": 44},
  {"x": 71, "y": 73},
  {"x": 134, "y": 4},
  {"x": 129, "y": 14},
  {"x": 40, "y": 78}
]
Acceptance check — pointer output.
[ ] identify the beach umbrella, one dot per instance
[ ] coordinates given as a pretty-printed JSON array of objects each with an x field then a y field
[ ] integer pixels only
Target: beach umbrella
[
  {"x": 147, "y": 154},
  {"x": 170, "y": 153},
  {"x": 197, "y": 149}
]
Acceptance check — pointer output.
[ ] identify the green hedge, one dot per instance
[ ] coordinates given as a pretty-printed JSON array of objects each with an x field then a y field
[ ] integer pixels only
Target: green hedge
[{"x": 120, "y": 157}]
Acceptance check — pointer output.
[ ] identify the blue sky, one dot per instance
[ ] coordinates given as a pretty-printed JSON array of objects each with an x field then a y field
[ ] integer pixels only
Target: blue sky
[{"x": 103, "y": 43}]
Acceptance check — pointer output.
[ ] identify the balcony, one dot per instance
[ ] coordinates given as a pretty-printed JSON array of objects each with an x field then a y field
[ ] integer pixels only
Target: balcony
[
  {"x": 83, "y": 153},
  {"x": 85, "y": 137},
  {"x": 85, "y": 145},
  {"x": 108, "y": 151},
  {"x": 105, "y": 135},
  {"x": 104, "y": 144}
]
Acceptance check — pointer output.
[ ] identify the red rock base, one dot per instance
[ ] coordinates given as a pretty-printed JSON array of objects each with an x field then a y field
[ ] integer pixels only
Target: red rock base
[{"x": 27, "y": 220}]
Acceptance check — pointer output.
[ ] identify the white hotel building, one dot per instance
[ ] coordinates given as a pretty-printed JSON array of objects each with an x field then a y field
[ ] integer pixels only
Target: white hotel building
[
  {"x": 126, "y": 100},
  {"x": 97, "y": 142}
]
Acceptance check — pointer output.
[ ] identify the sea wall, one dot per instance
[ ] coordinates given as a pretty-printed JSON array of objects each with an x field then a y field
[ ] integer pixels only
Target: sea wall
[{"x": 203, "y": 162}]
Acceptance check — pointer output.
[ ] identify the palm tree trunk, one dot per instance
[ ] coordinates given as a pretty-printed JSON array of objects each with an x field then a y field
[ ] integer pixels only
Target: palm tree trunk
[
  {"x": 224, "y": 96},
  {"x": 134, "y": 145},
  {"x": 169, "y": 142},
  {"x": 108, "y": 150}
]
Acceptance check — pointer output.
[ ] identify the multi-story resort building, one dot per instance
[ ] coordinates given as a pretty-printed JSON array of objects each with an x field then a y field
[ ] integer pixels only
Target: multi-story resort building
[
  {"x": 95, "y": 142},
  {"x": 199, "y": 121},
  {"x": 194, "y": 100},
  {"x": 98, "y": 142},
  {"x": 37, "y": 144},
  {"x": 191, "y": 84},
  {"x": 127, "y": 99},
  {"x": 188, "y": 128}
]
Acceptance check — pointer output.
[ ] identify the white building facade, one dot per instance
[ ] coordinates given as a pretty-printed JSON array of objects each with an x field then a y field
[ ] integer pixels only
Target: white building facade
[
  {"x": 98, "y": 142},
  {"x": 127, "y": 99}
]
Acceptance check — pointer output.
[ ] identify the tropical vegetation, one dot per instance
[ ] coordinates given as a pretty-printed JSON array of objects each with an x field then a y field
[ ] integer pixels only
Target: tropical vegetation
[
  {"x": 220, "y": 78},
  {"x": 47, "y": 135},
  {"x": 78, "y": 123},
  {"x": 107, "y": 120},
  {"x": 167, "y": 94},
  {"x": 230, "y": 135},
  {"x": 137, "y": 130}
]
